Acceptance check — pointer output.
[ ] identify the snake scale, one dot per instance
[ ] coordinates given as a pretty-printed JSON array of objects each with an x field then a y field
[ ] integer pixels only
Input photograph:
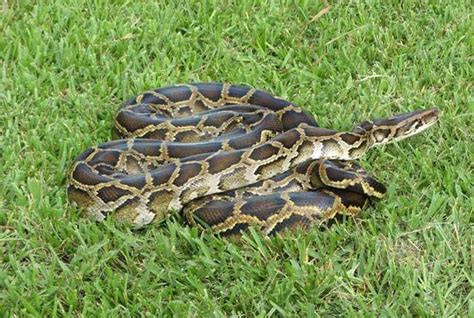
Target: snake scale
[{"x": 229, "y": 157}]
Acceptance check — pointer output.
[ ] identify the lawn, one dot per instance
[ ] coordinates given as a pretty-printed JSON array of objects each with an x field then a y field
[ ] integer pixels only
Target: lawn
[{"x": 67, "y": 65}]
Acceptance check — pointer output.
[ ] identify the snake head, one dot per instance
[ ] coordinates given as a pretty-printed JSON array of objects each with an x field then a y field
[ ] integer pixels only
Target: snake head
[{"x": 398, "y": 127}]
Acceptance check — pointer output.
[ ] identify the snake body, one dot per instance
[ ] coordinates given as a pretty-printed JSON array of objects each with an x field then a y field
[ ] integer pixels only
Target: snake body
[{"x": 230, "y": 157}]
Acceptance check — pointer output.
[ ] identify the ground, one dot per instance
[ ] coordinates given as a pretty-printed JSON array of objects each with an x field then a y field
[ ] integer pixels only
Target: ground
[{"x": 67, "y": 65}]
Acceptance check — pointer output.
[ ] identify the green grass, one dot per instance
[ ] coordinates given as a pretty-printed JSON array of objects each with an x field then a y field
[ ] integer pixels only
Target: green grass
[{"x": 67, "y": 65}]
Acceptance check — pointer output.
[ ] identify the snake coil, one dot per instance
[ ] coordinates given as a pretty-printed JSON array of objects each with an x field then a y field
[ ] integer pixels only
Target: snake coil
[{"x": 230, "y": 157}]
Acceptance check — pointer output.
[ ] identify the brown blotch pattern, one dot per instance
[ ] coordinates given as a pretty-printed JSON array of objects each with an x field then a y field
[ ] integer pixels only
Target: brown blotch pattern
[
  {"x": 112, "y": 193},
  {"x": 137, "y": 181},
  {"x": 186, "y": 172},
  {"x": 110, "y": 157},
  {"x": 182, "y": 150},
  {"x": 162, "y": 176},
  {"x": 292, "y": 119},
  {"x": 212, "y": 92},
  {"x": 224, "y": 161},
  {"x": 289, "y": 138},
  {"x": 264, "y": 152},
  {"x": 215, "y": 212},
  {"x": 83, "y": 174},
  {"x": 350, "y": 139},
  {"x": 263, "y": 207},
  {"x": 176, "y": 93},
  {"x": 152, "y": 149},
  {"x": 292, "y": 223}
]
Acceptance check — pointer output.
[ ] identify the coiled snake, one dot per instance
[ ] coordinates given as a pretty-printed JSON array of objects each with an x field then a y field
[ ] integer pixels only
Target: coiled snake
[{"x": 230, "y": 157}]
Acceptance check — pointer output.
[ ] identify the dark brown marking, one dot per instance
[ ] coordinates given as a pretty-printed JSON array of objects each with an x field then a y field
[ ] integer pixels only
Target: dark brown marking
[
  {"x": 105, "y": 169},
  {"x": 216, "y": 119},
  {"x": 335, "y": 174},
  {"x": 85, "y": 154},
  {"x": 184, "y": 111},
  {"x": 316, "y": 199},
  {"x": 350, "y": 199},
  {"x": 271, "y": 122},
  {"x": 177, "y": 93},
  {"x": 263, "y": 152},
  {"x": 186, "y": 121},
  {"x": 137, "y": 181},
  {"x": 377, "y": 186},
  {"x": 149, "y": 98},
  {"x": 236, "y": 230},
  {"x": 111, "y": 193},
  {"x": 268, "y": 125},
  {"x": 262, "y": 207},
  {"x": 223, "y": 161},
  {"x": 147, "y": 148},
  {"x": 319, "y": 132},
  {"x": 236, "y": 108},
  {"x": 211, "y": 91},
  {"x": 288, "y": 138},
  {"x": 158, "y": 134},
  {"x": 132, "y": 121},
  {"x": 277, "y": 178},
  {"x": 109, "y": 156},
  {"x": 357, "y": 188},
  {"x": 84, "y": 174},
  {"x": 186, "y": 172},
  {"x": 250, "y": 119},
  {"x": 291, "y": 119},
  {"x": 265, "y": 99},
  {"x": 363, "y": 127},
  {"x": 302, "y": 168},
  {"x": 292, "y": 223},
  {"x": 237, "y": 91},
  {"x": 162, "y": 175},
  {"x": 349, "y": 138},
  {"x": 176, "y": 150},
  {"x": 114, "y": 144},
  {"x": 140, "y": 109},
  {"x": 214, "y": 212},
  {"x": 245, "y": 141}
]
